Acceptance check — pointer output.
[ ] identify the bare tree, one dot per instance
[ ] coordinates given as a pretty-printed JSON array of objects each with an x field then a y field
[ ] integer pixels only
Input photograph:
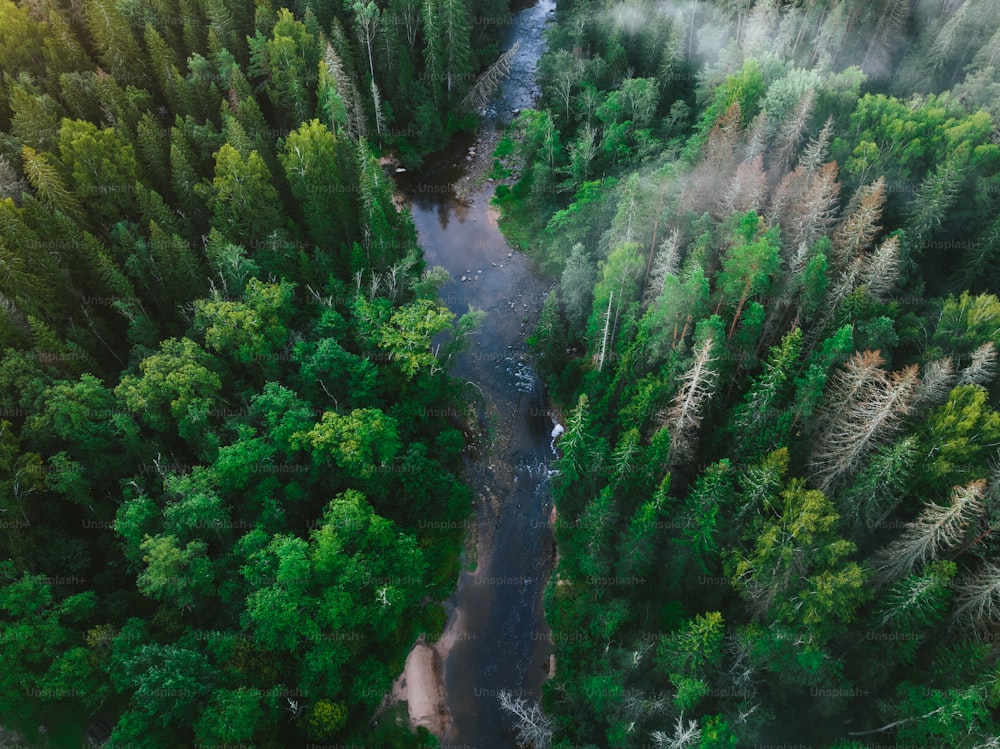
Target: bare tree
[
  {"x": 684, "y": 416},
  {"x": 936, "y": 529},
  {"x": 811, "y": 211},
  {"x": 977, "y": 599},
  {"x": 481, "y": 91},
  {"x": 348, "y": 93},
  {"x": 938, "y": 380},
  {"x": 533, "y": 728},
  {"x": 756, "y": 137},
  {"x": 665, "y": 263},
  {"x": 882, "y": 270},
  {"x": 983, "y": 367},
  {"x": 815, "y": 154},
  {"x": 686, "y": 734},
  {"x": 856, "y": 233},
  {"x": 792, "y": 130},
  {"x": 864, "y": 407},
  {"x": 748, "y": 188}
]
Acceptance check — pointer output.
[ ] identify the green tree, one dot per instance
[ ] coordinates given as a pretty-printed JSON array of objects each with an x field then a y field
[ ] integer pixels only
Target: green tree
[
  {"x": 244, "y": 204},
  {"x": 176, "y": 386},
  {"x": 318, "y": 171}
]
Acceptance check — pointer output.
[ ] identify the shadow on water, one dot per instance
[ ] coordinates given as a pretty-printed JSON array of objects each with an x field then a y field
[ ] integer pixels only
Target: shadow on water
[{"x": 501, "y": 641}]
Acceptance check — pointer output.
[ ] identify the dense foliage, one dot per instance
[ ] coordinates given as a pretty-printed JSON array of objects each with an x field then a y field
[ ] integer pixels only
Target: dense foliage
[
  {"x": 228, "y": 444},
  {"x": 774, "y": 332}
]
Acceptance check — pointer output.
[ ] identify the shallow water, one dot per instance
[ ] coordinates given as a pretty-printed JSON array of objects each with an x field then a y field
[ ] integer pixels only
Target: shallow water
[{"x": 496, "y": 616}]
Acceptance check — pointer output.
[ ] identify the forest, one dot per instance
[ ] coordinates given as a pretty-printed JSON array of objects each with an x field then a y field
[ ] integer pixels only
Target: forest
[
  {"x": 229, "y": 453},
  {"x": 773, "y": 328}
]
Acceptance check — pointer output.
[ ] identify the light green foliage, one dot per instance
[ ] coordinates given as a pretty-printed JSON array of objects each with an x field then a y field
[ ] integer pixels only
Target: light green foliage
[
  {"x": 285, "y": 59},
  {"x": 245, "y": 205},
  {"x": 404, "y": 335},
  {"x": 958, "y": 437},
  {"x": 102, "y": 166},
  {"x": 798, "y": 570},
  {"x": 358, "y": 442},
  {"x": 252, "y": 331},
  {"x": 176, "y": 385}
]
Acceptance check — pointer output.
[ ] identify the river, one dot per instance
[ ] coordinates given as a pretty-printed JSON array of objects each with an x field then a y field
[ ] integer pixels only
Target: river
[{"x": 495, "y": 637}]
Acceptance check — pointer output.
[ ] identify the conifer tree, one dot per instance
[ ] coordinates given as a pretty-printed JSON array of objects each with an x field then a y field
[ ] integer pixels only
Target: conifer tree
[
  {"x": 938, "y": 529},
  {"x": 858, "y": 230},
  {"x": 697, "y": 386}
]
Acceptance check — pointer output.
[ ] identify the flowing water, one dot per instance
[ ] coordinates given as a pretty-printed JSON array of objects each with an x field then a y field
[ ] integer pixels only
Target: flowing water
[{"x": 496, "y": 624}]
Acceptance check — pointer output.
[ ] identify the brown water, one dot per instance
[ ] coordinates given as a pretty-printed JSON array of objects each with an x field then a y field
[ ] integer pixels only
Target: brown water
[{"x": 501, "y": 641}]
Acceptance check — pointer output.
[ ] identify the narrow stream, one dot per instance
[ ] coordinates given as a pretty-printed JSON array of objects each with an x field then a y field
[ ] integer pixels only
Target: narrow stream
[{"x": 499, "y": 639}]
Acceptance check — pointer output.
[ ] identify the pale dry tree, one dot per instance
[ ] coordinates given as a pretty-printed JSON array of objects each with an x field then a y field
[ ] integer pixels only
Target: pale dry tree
[
  {"x": 666, "y": 262},
  {"x": 858, "y": 230},
  {"x": 748, "y": 188},
  {"x": 937, "y": 529},
  {"x": 977, "y": 598},
  {"x": 533, "y": 729},
  {"x": 686, "y": 411},
  {"x": 793, "y": 129},
  {"x": 348, "y": 92},
  {"x": 811, "y": 212},
  {"x": 484, "y": 86},
  {"x": 686, "y": 734},
  {"x": 756, "y": 138},
  {"x": 815, "y": 154},
  {"x": 856, "y": 378},
  {"x": 705, "y": 185},
  {"x": 377, "y": 106},
  {"x": 983, "y": 367},
  {"x": 937, "y": 382},
  {"x": 864, "y": 407},
  {"x": 882, "y": 270}
]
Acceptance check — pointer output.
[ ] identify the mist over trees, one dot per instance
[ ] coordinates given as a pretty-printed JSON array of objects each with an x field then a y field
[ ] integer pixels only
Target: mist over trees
[{"x": 772, "y": 331}]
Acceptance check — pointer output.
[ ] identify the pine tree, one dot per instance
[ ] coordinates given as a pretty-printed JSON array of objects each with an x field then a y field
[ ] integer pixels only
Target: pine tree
[
  {"x": 881, "y": 272},
  {"x": 792, "y": 131},
  {"x": 880, "y": 487},
  {"x": 46, "y": 181},
  {"x": 864, "y": 407},
  {"x": 856, "y": 233},
  {"x": 748, "y": 189},
  {"x": 982, "y": 368},
  {"x": 665, "y": 263},
  {"x": 888, "y": 30},
  {"x": 697, "y": 386},
  {"x": 936, "y": 530},
  {"x": 116, "y": 46},
  {"x": 977, "y": 598}
]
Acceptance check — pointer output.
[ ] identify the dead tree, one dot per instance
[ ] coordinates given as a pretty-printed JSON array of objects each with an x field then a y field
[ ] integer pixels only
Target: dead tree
[
  {"x": 977, "y": 599},
  {"x": 532, "y": 727},
  {"x": 685, "y": 414},
  {"x": 482, "y": 90},
  {"x": 937, "y": 529},
  {"x": 856, "y": 233},
  {"x": 983, "y": 367},
  {"x": 686, "y": 734},
  {"x": 864, "y": 408}
]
